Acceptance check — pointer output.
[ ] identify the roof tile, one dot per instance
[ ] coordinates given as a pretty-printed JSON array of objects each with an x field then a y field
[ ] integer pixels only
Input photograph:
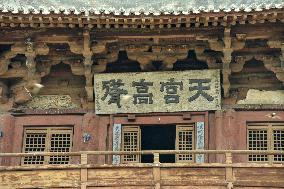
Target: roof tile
[{"x": 137, "y": 7}]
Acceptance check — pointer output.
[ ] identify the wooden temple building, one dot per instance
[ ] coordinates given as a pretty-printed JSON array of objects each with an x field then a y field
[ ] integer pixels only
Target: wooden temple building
[{"x": 141, "y": 94}]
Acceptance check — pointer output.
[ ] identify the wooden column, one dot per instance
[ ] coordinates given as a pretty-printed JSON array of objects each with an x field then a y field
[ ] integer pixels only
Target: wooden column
[
  {"x": 30, "y": 62},
  {"x": 87, "y": 53},
  {"x": 7, "y": 127},
  {"x": 219, "y": 135},
  {"x": 227, "y": 51}
]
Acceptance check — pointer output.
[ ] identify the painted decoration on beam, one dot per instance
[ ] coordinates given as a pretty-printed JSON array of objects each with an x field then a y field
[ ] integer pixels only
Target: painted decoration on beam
[{"x": 146, "y": 92}]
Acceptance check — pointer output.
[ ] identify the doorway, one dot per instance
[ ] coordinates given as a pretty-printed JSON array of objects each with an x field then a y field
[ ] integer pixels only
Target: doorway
[{"x": 158, "y": 137}]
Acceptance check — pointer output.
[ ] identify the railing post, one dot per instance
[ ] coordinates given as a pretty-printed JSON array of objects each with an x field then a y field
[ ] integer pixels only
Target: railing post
[
  {"x": 229, "y": 170},
  {"x": 84, "y": 171},
  {"x": 156, "y": 158},
  {"x": 84, "y": 159},
  {"x": 229, "y": 159},
  {"x": 157, "y": 171}
]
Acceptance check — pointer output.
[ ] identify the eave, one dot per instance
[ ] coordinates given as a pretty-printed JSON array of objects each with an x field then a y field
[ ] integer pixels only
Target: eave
[{"x": 110, "y": 21}]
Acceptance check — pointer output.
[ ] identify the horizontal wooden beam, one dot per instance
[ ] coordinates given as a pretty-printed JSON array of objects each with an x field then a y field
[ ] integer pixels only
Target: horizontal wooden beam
[{"x": 262, "y": 152}]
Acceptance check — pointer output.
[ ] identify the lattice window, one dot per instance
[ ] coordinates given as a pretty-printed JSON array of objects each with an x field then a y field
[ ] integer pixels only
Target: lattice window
[
  {"x": 266, "y": 137},
  {"x": 184, "y": 141},
  {"x": 257, "y": 141},
  {"x": 47, "y": 139},
  {"x": 278, "y": 144},
  {"x": 34, "y": 142},
  {"x": 131, "y": 142}
]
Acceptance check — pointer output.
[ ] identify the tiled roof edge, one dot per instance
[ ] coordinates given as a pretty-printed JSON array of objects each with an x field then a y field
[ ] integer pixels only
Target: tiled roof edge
[{"x": 86, "y": 12}]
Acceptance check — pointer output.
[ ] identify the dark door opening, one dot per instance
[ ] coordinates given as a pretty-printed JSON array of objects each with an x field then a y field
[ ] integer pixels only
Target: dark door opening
[{"x": 158, "y": 137}]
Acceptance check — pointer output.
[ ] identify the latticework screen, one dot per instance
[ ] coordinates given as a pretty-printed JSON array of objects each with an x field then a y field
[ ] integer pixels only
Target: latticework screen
[
  {"x": 184, "y": 141},
  {"x": 131, "y": 142},
  {"x": 266, "y": 137},
  {"x": 47, "y": 139},
  {"x": 278, "y": 143},
  {"x": 35, "y": 141},
  {"x": 257, "y": 141}
]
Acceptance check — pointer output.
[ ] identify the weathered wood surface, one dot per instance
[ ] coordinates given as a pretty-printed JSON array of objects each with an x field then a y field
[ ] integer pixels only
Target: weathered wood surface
[
  {"x": 40, "y": 179},
  {"x": 193, "y": 176},
  {"x": 267, "y": 177},
  {"x": 138, "y": 176},
  {"x": 144, "y": 175}
]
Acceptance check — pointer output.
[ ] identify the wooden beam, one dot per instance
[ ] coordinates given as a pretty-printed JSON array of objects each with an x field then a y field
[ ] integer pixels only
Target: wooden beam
[{"x": 227, "y": 51}]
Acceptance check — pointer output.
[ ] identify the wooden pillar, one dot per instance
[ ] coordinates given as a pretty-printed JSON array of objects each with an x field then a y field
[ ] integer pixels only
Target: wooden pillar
[
  {"x": 7, "y": 129},
  {"x": 157, "y": 171},
  {"x": 227, "y": 51},
  {"x": 84, "y": 171},
  {"x": 219, "y": 135},
  {"x": 87, "y": 53}
]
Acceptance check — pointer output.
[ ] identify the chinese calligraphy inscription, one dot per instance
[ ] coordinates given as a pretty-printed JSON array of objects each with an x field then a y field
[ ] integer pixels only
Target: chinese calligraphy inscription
[
  {"x": 142, "y": 96},
  {"x": 200, "y": 89},
  {"x": 197, "y": 90},
  {"x": 171, "y": 87},
  {"x": 113, "y": 89}
]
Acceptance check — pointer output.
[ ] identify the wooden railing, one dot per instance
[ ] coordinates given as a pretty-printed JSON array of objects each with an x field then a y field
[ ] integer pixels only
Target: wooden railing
[
  {"x": 103, "y": 175},
  {"x": 156, "y": 153}
]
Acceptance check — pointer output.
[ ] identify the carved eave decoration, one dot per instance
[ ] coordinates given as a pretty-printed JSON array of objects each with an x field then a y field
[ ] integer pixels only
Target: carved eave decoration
[
  {"x": 97, "y": 39},
  {"x": 90, "y": 19},
  {"x": 271, "y": 62}
]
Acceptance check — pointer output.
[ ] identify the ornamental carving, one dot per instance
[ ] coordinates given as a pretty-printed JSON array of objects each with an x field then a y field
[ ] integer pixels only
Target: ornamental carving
[{"x": 50, "y": 102}]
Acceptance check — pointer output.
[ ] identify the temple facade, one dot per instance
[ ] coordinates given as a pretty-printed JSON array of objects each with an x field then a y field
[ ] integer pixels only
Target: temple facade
[{"x": 141, "y": 94}]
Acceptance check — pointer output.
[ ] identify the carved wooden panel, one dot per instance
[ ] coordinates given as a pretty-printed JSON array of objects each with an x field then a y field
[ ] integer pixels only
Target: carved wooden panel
[{"x": 50, "y": 101}]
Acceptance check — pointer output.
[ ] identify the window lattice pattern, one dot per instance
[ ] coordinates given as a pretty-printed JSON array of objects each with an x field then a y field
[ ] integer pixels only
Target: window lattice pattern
[
  {"x": 185, "y": 136},
  {"x": 131, "y": 141},
  {"x": 34, "y": 142},
  {"x": 60, "y": 143},
  {"x": 258, "y": 141},
  {"x": 278, "y": 144},
  {"x": 47, "y": 139}
]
